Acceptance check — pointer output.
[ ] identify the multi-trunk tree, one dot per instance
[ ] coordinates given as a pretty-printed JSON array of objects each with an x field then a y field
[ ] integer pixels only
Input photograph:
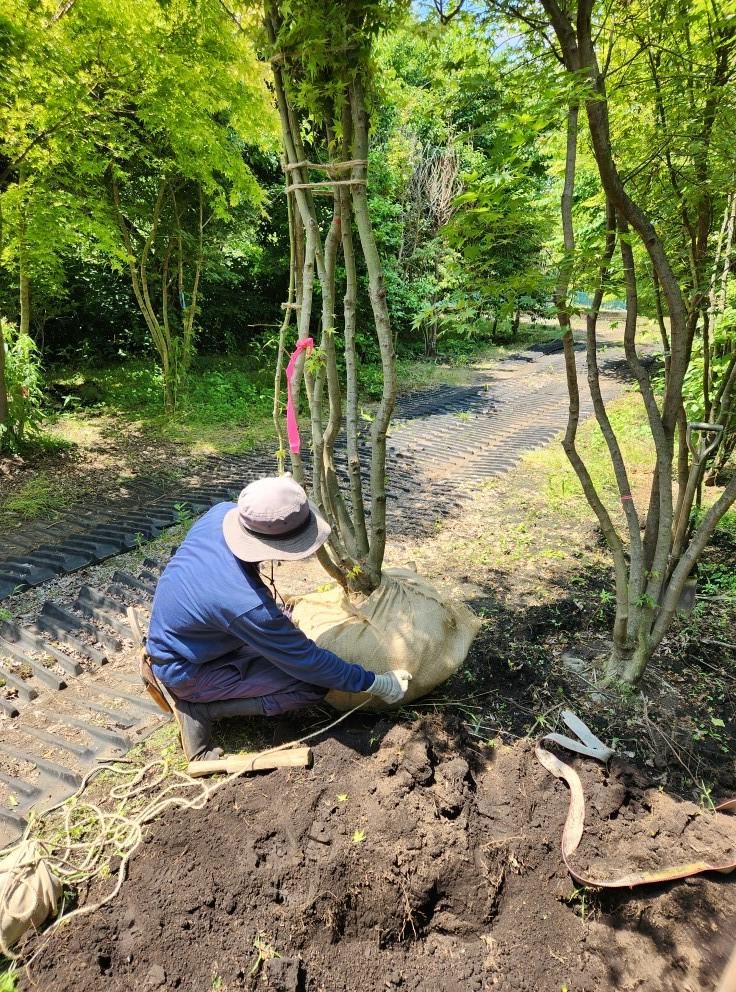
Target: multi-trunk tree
[
  {"x": 613, "y": 61},
  {"x": 321, "y": 62},
  {"x": 128, "y": 145}
]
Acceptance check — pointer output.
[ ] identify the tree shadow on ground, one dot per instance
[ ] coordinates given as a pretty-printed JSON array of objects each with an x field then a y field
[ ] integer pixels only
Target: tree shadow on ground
[{"x": 670, "y": 916}]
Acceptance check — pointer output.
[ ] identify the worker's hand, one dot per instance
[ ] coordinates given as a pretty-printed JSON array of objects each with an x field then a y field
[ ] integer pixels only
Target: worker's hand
[{"x": 390, "y": 687}]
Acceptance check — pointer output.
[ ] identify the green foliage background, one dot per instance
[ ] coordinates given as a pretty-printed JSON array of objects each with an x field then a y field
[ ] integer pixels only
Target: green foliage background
[{"x": 177, "y": 93}]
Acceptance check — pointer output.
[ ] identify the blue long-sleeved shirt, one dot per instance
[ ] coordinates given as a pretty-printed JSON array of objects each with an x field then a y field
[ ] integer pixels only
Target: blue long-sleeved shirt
[{"x": 209, "y": 603}]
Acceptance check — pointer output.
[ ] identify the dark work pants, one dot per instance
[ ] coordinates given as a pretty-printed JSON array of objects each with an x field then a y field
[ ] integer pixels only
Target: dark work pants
[{"x": 241, "y": 676}]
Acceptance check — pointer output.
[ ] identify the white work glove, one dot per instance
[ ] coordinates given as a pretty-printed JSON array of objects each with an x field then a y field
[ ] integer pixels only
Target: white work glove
[{"x": 390, "y": 687}]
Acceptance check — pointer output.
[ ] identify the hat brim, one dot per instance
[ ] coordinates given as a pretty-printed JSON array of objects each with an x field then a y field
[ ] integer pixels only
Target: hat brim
[{"x": 251, "y": 547}]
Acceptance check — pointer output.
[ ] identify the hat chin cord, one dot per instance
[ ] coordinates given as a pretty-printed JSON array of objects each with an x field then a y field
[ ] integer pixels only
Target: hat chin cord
[{"x": 278, "y": 598}]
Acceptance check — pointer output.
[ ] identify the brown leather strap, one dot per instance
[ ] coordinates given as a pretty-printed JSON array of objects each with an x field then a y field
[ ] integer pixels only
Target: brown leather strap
[
  {"x": 573, "y": 832},
  {"x": 152, "y": 684}
]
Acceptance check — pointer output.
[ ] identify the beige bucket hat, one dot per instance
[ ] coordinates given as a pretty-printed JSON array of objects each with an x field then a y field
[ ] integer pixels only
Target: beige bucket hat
[{"x": 274, "y": 521}]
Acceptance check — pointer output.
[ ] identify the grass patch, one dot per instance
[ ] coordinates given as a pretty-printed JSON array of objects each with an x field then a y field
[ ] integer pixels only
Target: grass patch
[
  {"x": 535, "y": 519},
  {"x": 559, "y": 490},
  {"x": 8, "y": 979},
  {"x": 451, "y": 370},
  {"x": 716, "y": 574},
  {"x": 228, "y": 402},
  {"x": 726, "y": 525},
  {"x": 38, "y": 497},
  {"x": 559, "y": 487},
  {"x": 226, "y": 407},
  {"x": 40, "y": 444}
]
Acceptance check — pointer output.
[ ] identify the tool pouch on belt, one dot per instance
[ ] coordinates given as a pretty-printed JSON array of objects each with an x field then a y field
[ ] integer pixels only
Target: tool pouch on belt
[
  {"x": 153, "y": 686},
  {"x": 150, "y": 682}
]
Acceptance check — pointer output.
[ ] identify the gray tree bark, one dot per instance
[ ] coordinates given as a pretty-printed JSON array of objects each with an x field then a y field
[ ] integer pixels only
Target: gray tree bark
[{"x": 651, "y": 577}]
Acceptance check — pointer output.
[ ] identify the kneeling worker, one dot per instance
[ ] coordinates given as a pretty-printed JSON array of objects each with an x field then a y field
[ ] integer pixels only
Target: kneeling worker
[{"x": 218, "y": 643}]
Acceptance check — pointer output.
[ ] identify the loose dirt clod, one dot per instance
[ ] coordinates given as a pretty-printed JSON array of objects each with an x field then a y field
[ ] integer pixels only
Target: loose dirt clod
[{"x": 405, "y": 860}]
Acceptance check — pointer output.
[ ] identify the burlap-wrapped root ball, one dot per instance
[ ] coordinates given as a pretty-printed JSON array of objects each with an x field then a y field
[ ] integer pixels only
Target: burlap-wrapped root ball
[{"x": 405, "y": 623}]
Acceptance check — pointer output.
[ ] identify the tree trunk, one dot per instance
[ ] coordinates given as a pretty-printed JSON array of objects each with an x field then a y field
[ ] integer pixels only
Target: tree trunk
[
  {"x": 289, "y": 306},
  {"x": 561, "y": 293},
  {"x": 3, "y": 385},
  {"x": 628, "y": 664},
  {"x": 613, "y": 186},
  {"x": 377, "y": 294},
  {"x": 24, "y": 276},
  {"x": 350, "y": 301},
  {"x": 25, "y": 296}
]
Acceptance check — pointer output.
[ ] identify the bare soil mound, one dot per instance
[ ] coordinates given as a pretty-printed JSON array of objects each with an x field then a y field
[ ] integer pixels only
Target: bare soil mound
[
  {"x": 631, "y": 826},
  {"x": 408, "y": 860}
]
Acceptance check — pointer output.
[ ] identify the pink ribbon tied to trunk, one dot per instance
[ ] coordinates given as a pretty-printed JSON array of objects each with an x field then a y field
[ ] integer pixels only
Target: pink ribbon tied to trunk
[{"x": 292, "y": 427}]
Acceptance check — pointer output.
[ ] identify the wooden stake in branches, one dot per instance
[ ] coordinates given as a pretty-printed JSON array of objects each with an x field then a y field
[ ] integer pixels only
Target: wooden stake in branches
[
  {"x": 289, "y": 308},
  {"x": 338, "y": 150}
]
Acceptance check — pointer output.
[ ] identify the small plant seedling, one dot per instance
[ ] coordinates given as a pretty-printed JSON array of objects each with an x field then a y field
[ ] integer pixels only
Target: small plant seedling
[
  {"x": 217, "y": 983},
  {"x": 358, "y": 836},
  {"x": 540, "y": 723},
  {"x": 316, "y": 360},
  {"x": 645, "y": 601},
  {"x": 342, "y": 797},
  {"x": 706, "y": 799},
  {"x": 184, "y": 515},
  {"x": 139, "y": 540},
  {"x": 5, "y": 614},
  {"x": 578, "y": 899},
  {"x": 265, "y": 951}
]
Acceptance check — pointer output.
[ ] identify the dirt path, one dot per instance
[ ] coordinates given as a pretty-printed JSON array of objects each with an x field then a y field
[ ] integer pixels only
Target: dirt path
[{"x": 441, "y": 441}]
